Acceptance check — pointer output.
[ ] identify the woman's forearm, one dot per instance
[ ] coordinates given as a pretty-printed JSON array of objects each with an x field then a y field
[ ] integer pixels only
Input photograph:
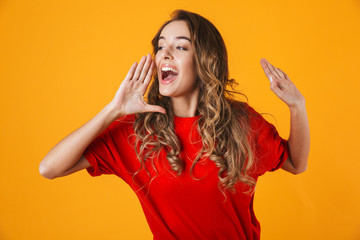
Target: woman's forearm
[
  {"x": 69, "y": 150},
  {"x": 299, "y": 139}
]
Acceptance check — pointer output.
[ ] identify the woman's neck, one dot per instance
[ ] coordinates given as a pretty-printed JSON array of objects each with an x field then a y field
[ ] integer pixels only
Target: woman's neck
[{"x": 185, "y": 106}]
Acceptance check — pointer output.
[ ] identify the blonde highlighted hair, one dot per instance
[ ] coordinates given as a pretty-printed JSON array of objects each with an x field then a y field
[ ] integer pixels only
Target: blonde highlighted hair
[{"x": 223, "y": 124}]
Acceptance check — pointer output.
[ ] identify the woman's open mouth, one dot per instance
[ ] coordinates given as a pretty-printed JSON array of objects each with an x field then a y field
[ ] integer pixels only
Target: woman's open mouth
[{"x": 168, "y": 74}]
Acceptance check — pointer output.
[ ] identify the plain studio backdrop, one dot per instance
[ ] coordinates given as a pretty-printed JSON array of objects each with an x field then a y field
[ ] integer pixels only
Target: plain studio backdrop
[{"x": 61, "y": 62}]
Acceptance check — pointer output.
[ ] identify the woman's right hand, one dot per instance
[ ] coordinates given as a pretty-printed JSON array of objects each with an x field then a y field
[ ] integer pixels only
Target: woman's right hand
[
  {"x": 66, "y": 156},
  {"x": 129, "y": 97}
]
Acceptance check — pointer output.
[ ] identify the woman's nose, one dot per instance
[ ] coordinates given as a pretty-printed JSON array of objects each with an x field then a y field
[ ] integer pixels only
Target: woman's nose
[{"x": 167, "y": 54}]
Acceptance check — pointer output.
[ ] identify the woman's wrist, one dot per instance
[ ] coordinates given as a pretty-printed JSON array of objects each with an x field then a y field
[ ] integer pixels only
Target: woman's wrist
[
  {"x": 299, "y": 106},
  {"x": 111, "y": 113}
]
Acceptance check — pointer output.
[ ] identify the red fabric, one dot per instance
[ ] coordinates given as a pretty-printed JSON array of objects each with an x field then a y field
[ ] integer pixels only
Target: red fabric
[{"x": 179, "y": 207}]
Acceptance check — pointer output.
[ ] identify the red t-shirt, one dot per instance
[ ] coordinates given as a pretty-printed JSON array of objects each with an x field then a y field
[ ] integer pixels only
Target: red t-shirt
[{"x": 179, "y": 207}]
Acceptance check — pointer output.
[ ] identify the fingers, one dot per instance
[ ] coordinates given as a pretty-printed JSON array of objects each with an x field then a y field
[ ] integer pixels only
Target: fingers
[
  {"x": 155, "y": 108},
  {"x": 139, "y": 69},
  {"x": 274, "y": 76},
  {"x": 152, "y": 108},
  {"x": 131, "y": 72},
  {"x": 285, "y": 76},
  {"x": 281, "y": 84},
  {"x": 268, "y": 68},
  {"x": 149, "y": 74},
  {"x": 142, "y": 71},
  {"x": 276, "y": 71},
  {"x": 145, "y": 70},
  {"x": 272, "y": 72}
]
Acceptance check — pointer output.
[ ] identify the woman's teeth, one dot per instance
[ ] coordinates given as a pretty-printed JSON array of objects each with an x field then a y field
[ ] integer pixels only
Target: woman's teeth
[
  {"x": 168, "y": 69},
  {"x": 168, "y": 73}
]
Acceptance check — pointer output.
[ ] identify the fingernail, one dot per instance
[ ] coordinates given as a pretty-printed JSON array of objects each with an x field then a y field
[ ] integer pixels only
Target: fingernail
[{"x": 270, "y": 79}]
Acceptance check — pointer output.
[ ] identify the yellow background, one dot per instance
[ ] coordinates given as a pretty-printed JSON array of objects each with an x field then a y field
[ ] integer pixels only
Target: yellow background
[{"x": 62, "y": 61}]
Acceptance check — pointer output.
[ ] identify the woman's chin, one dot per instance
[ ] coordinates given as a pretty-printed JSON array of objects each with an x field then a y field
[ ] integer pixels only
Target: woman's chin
[{"x": 165, "y": 92}]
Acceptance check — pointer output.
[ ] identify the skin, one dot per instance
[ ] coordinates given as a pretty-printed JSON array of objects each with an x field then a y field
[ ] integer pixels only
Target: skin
[
  {"x": 66, "y": 157},
  {"x": 299, "y": 139},
  {"x": 177, "y": 51}
]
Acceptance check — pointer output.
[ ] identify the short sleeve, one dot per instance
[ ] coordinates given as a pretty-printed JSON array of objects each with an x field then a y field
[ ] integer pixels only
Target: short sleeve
[
  {"x": 271, "y": 150},
  {"x": 112, "y": 152},
  {"x": 100, "y": 155}
]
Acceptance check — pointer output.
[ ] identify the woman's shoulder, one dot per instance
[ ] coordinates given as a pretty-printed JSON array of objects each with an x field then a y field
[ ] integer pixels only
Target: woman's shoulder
[
  {"x": 255, "y": 119},
  {"x": 243, "y": 107}
]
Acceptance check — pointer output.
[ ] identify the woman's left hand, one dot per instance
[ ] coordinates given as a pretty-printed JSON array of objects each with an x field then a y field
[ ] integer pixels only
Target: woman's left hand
[{"x": 282, "y": 86}]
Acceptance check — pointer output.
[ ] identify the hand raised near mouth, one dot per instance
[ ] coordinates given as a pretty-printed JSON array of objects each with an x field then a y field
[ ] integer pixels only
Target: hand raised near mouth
[{"x": 129, "y": 97}]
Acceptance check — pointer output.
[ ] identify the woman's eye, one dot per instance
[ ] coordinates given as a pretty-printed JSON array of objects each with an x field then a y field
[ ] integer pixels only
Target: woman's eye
[{"x": 178, "y": 47}]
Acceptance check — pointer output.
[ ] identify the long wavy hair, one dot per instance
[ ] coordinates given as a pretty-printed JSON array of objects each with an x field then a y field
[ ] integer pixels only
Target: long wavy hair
[{"x": 223, "y": 124}]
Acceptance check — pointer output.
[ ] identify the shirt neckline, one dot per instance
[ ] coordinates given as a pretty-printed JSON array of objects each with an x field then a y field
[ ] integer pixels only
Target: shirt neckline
[{"x": 185, "y": 120}]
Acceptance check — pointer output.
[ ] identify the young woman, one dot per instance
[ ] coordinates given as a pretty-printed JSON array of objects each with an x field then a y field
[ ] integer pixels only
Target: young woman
[{"x": 191, "y": 153}]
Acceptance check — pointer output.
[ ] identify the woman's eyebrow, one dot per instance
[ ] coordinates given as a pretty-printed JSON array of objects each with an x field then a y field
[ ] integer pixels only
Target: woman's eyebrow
[{"x": 179, "y": 37}]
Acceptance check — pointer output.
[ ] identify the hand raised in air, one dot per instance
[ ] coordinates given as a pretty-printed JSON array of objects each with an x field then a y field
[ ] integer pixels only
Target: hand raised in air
[{"x": 281, "y": 85}]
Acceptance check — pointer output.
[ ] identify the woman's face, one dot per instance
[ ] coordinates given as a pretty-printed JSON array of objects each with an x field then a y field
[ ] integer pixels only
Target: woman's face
[{"x": 175, "y": 61}]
